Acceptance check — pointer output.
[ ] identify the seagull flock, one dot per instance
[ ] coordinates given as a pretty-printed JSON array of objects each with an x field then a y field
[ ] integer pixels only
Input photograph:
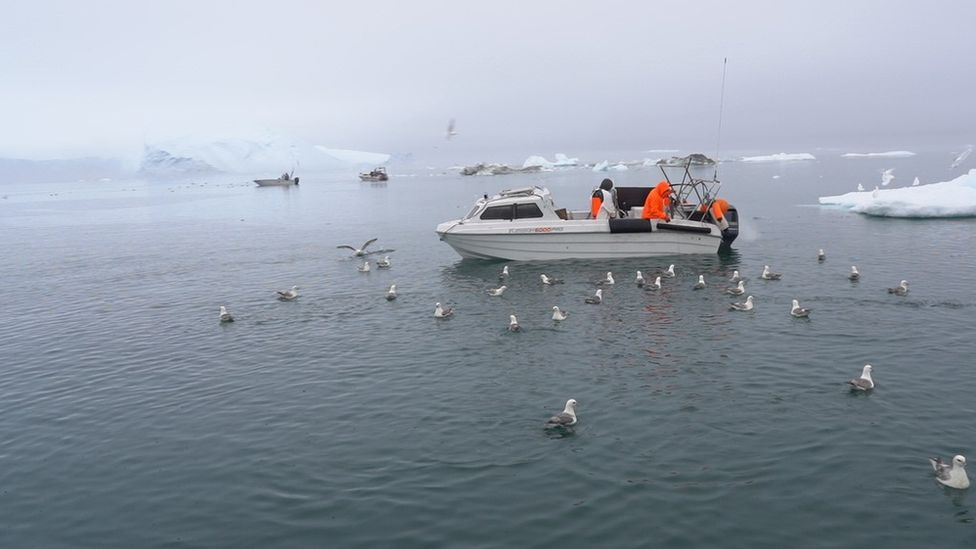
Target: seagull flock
[{"x": 952, "y": 474}]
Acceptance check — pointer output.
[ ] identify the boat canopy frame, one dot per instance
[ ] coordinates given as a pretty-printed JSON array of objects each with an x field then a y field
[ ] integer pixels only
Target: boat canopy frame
[{"x": 690, "y": 189}]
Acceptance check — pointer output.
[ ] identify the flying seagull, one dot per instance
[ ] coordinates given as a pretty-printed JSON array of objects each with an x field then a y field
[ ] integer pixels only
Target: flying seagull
[
  {"x": 865, "y": 382},
  {"x": 358, "y": 252},
  {"x": 288, "y": 295},
  {"x": 953, "y": 476},
  {"x": 566, "y": 418},
  {"x": 224, "y": 315}
]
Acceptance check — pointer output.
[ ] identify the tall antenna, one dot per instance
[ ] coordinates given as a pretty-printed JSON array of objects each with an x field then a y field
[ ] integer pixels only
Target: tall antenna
[{"x": 721, "y": 107}]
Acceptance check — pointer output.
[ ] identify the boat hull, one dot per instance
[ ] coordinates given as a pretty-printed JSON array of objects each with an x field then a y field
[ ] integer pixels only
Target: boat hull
[
  {"x": 276, "y": 182},
  {"x": 533, "y": 243}
]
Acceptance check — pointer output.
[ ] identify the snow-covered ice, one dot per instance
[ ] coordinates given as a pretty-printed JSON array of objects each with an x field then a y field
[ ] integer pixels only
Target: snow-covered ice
[
  {"x": 887, "y": 154},
  {"x": 561, "y": 161},
  {"x": 356, "y": 157},
  {"x": 778, "y": 157},
  {"x": 955, "y": 198},
  {"x": 619, "y": 167},
  {"x": 887, "y": 176},
  {"x": 601, "y": 166}
]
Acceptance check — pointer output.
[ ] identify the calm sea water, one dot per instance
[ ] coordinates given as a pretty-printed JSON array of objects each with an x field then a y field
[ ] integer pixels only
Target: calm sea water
[{"x": 129, "y": 417}]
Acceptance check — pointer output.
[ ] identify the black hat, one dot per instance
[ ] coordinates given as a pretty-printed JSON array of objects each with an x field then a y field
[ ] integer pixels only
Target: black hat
[{"x": 607, "y": 184}]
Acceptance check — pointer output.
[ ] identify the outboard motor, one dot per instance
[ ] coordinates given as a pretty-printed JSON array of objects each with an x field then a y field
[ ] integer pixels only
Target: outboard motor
[{"x": 730, "y": 234}]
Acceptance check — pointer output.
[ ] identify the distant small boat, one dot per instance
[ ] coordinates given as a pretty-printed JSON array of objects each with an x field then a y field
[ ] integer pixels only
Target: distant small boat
[
  {"x": 284, "y": 180},
  {"x": 377, "y": 174}
]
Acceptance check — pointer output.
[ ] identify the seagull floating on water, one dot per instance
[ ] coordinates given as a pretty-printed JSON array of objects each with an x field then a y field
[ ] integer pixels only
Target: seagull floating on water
[
  {"x": 748, "y": 305},
  {"x": 860, "y": 187},
  {"x": 821, "y": 256},
  {"x": 288, "y": 295},
  {"x": 656, "y": 285},
  {"x": 608, "y": 280},
  {"x": 767, "y": 274},
  {"x": 596, "y": 298},
  {"x": 224, "y": 315},
  {"x": 865, "y": 382},
  {"x": 737, "y": 290},
  {"x": 558, "y": 314},
  {"x": 916, "y": 182},
  {"x": 953, "y": 476},
  {"x": 364, "y": 268},
  {"x": 855, "y": 274},
  {"x": 549, "y": 280},
  {"x": 440, "y": 312},
  {"x": 799, "y": 312},
  {"x": 566, "y": 418},
  {"x": 900, "y": 289},
  {"x": 384, "y": 263},
  {"x": 700, "y": 285},
  {"x": 670, "y": 272},
  {"x": 391, "y": 293},
  {"x": 359, "y": 252},
  {"x": 504, "y": 273},
  {"x": 497, "y": 292},
  {"x": 513, "y": 325},
  {"x": 735, "y": 277}
]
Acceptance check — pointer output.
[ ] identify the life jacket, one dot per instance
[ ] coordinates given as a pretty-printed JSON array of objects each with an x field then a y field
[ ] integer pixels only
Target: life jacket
[
  {"x": 719, "y": 207},
  {"x": 595, "y": 202}
]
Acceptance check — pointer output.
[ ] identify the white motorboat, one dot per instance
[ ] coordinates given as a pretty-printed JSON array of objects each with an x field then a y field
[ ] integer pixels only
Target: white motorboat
[
  {"x": 376, "y": 174},
  {"x": 285, "y": 180},
  {"x": 525, "y": 225}
]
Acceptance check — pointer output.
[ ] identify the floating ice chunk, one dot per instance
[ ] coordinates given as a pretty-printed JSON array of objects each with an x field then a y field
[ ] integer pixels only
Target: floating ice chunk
[
  {"x": 356, "y": 157},
  {"x": 618, "y": 167},
  {"x": 955, "y": 198},
  {"x": 534, "y": 161},
  {"x": 887, "y": 176},
  {"x": 962, "y": 157},
  {"x": 601, "y": 166},
  {"x": 562, "y": 161},
  {"x": 779, "y": 157},
  {"x": 650, "y": 162},
  {"x": 887, "y": 154}
]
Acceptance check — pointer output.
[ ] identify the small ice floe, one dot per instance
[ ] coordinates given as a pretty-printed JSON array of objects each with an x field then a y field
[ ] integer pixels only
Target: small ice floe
[
  {"x": 224, "y": 315},
  {"x": 391, "y": 294},
  {"x": 358, "y": 252},
  {"x": 747, "y": 305},
  {"x": 639, "y": 280},
  {"x": 821, "y": 256},
  {"x": 735, "y": 277},
  {"x": 900, "y": 289},
  {"x": 441, "y": 312},
  {"x": 738, "y": 289},
  {"x": 953, "y": 476},
  {"x": 768, "y": 274},
  {"x": 608, "y": 279},
  {"x": 558, "y": 314},
  {"x": 497, "y": 292},
  {"x": 860, "y": 187},
  {"x": 288, "y": 295},
  {"x": 596, "y": 298},
  {"x": 364, "y": 268},
  {"x": 887, "y": 176},
  {"x": 549, "y": 280},
  {"x": 799, "y": 312},
  {"x": 504, "y": 273},
  {"x": 513, "y": 325},
  {"x": 855, "y": 274},
  {"x": 863, "y": 383},
  {"x": 700, "y": 285},
  {"x": 670, "y": 272},
  {"x": 566, "y": 418},
  {"x": 384, "y": 263}
]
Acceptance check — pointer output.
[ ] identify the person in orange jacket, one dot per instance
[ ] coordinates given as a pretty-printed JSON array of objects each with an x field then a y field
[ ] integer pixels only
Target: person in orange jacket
[
  {"x": 719, "y": 207},
  {"x": 657, "y": 202}
]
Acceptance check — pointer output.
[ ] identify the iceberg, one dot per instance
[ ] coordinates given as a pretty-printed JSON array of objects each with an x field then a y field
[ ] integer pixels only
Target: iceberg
[
  {"x": 888, "y": 154},
  {"x": 962, "y": 157},
  {"x": 621, "y": 167},
  {"x": 601, "y": 166},
  {"x": 778, "y": 157},
  {"x": 955, "y": 198},
  {"x": 562, "y": 161}
]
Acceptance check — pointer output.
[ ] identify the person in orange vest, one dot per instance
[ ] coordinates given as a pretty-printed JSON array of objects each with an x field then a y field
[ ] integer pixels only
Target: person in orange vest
[
  {"x": 602, "y": 204},
  {"x": 719, "y": 207},
  {"x": 657, "y": 202}
]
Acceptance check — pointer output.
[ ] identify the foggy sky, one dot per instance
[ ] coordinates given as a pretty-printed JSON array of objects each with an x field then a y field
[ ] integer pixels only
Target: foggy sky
[{"x": 95, "y": 77}]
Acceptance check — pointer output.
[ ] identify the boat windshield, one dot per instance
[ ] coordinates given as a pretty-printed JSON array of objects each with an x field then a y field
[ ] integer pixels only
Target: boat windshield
[{"x": 474, "y": 210}]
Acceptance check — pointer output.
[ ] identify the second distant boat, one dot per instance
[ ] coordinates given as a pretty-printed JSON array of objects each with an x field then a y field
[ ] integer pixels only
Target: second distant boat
[{"x": 376, "y": 174}]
